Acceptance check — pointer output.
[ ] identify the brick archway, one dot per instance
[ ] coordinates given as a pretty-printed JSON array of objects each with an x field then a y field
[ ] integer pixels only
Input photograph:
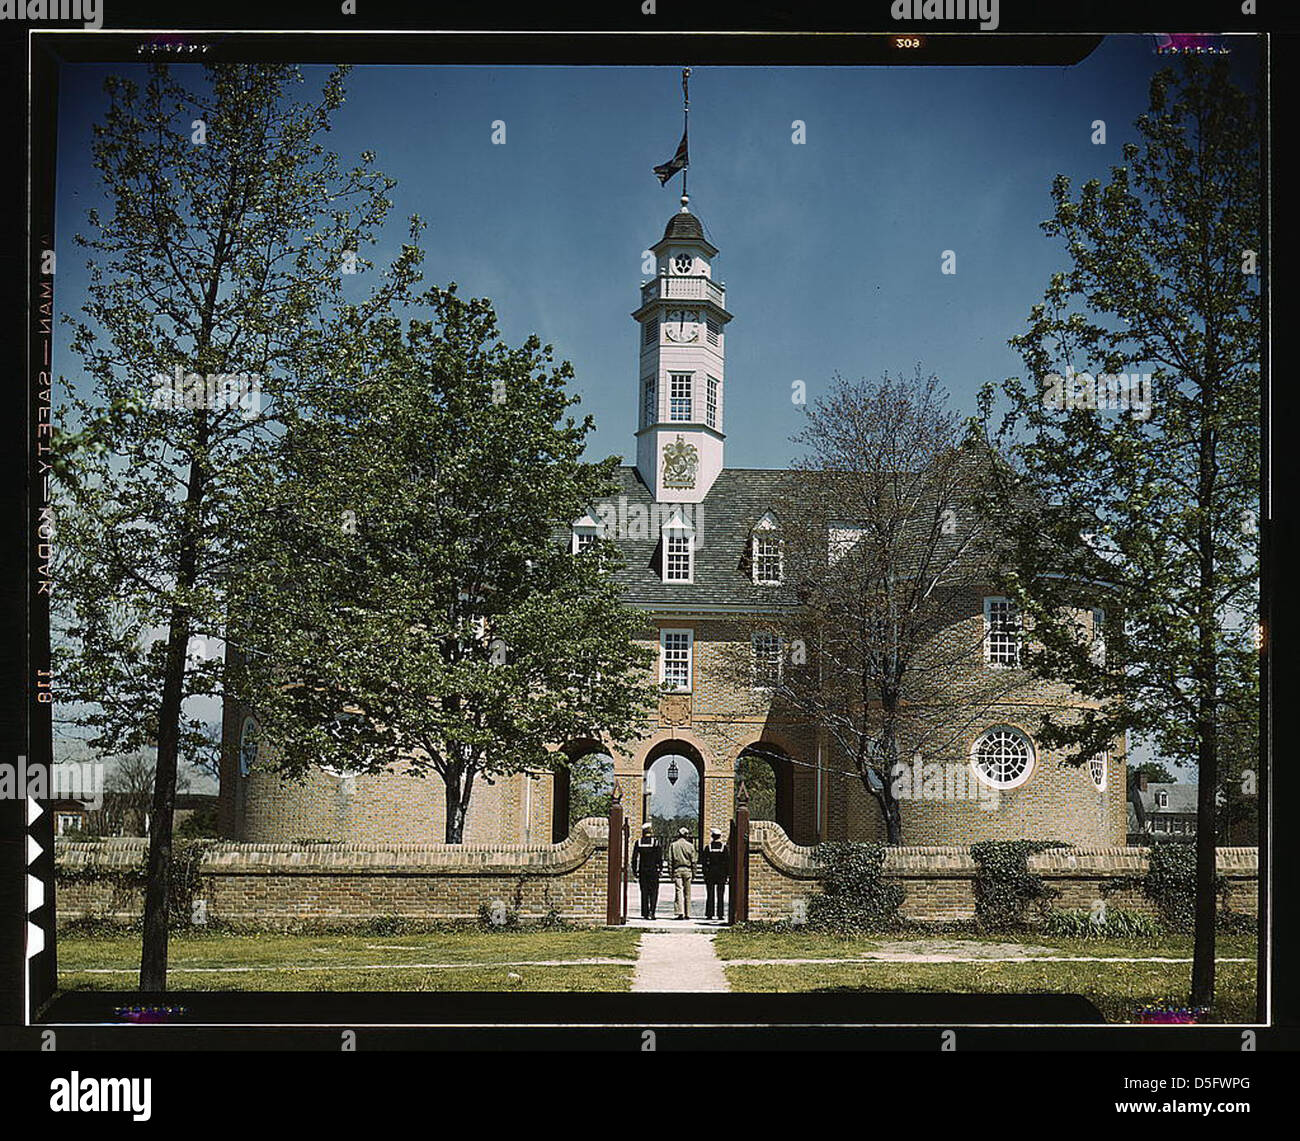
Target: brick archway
[
  {"x": 777, "y": 755},
  {"x": 562, "y": 781},
  {"x": 679, "y": 746}
]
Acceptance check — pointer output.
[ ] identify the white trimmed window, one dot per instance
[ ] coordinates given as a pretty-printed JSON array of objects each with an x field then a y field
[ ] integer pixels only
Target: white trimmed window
[
  {"x": 67, "y": 822},
  {"x": 1162, "y": 799},
  {"x": 1001, "y": 632},
  {"x": 247, "y": 746},
  {"x": 765, "y": 552},
  {"x": 584, "y": 533},
  {"x": 1097, "y": 769},
  {"x": 683, "y": 263},
  {"x": 1098, "y": 637},
  {"x": 679, "y": 395},
  {"x": 677, "y": 556},
  {"x": 675, "y": 659},
  {"x": 649, "y": 400},
  {"x": 711, "y": 402},
  {"x": 678, "y": 549},
  {"x": 766, "y": 660},
  {"x": 1003, "y": 757}
]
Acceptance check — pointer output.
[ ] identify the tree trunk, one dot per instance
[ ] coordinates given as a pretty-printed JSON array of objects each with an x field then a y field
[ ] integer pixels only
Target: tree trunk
[
  {"x": 455, "y": 829},
  {"x": 158, "y": 872},
  {"x": 1207, "y": 775},
  {"x": 157, "y": 896}
]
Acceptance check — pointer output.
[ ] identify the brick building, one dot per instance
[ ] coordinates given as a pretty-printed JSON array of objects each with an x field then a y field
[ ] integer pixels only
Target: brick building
[{"x": 702, "y": 548}]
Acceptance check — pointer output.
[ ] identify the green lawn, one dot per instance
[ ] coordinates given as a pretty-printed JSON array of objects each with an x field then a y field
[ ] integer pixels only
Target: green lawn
[
  {"x": 506, "y": 960},
  {"x": 1117, "y": 989}
]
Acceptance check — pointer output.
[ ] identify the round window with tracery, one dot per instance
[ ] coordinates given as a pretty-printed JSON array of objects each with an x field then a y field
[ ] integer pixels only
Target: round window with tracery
[
  {"x": 1003, "y": 757},
  {"x": 682, "y": 263}
]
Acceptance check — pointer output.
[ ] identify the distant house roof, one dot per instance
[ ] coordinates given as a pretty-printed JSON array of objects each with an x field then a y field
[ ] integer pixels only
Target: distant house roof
[{"x": 1181, "y": 799}]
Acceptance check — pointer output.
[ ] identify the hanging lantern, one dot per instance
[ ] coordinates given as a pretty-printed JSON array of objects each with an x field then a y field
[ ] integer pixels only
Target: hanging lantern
[{"x": 672, "y": 772}]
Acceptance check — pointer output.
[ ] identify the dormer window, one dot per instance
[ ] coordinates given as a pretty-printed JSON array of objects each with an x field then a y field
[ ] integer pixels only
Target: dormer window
[
  {"x": 1162, "y": 799},
  {"x": 765, "y": 553},
  {"x": 678, "y": 550},
  {"x": 584, "y": 534}
]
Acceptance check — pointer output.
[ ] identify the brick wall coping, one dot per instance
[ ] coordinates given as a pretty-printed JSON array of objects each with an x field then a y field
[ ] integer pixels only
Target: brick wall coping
[
  {"x": 799, "y": 861},
  {"x": 229, "y": 858}
]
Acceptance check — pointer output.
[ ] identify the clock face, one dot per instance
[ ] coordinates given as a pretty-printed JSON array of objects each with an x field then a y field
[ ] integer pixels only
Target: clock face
[{"x": 682, "y": 325}]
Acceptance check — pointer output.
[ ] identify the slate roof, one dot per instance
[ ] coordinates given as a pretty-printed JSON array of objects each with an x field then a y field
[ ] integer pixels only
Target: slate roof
[
  {"x": 1182, "y": 799},
  {"x": 738, "y": 499},
  {"x": 683, "y": 225}
]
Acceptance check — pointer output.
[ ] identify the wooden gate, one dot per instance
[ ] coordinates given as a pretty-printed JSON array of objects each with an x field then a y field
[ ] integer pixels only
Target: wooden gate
[
  {"x": 616, "y": 882},
  {"x": 738, "y": 843}
]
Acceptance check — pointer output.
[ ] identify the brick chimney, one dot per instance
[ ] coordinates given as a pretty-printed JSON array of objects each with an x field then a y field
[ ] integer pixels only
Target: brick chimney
[{"x": 1142, "y": 782}]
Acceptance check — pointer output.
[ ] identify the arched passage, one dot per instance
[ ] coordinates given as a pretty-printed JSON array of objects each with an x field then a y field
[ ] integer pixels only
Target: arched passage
[
  {"x": 674, "y": 789},
  {"x": 768, "y": 773},
  {"x": 582, "y": 786}
]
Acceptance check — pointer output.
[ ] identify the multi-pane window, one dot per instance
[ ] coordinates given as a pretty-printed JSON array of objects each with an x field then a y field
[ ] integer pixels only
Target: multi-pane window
[
  {"x": 650, "y": 332},
  {"x": 675, "y": 646},
  {"x": 1001, "y": 632},
  {"x": 712, "y": 329},
  {"x": 677, "y": 556},
  {"x": 1098, "y": 637},
  {"x": 583, "y": 540},
  {"x": 766, "y": 650},
  {"x": 649, "y": 400},
  {"x": 711, "y": 402},
  {"x": 767, "y": 558},
  {"x": 679, "y": 395}
]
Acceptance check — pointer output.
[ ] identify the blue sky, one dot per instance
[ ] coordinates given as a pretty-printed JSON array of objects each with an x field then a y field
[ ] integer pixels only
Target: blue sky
[{"x": 830, "y": 250}]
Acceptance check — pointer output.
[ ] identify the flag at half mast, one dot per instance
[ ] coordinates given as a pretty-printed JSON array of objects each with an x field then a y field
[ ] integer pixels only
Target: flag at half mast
[{"x": 682, "y": 159}]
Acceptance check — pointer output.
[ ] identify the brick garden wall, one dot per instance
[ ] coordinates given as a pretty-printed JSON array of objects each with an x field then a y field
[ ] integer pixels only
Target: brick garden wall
[
  {"x": 939, "y": 882},
  {"x": 282, "y": 883}
]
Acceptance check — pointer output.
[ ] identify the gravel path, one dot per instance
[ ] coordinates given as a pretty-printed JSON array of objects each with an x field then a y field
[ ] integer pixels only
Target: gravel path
[{"x": 681, "y": 960}]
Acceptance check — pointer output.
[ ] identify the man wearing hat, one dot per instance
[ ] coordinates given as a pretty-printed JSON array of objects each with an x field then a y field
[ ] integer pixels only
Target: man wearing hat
[
  {"x": 647, "y": 860},
  {"x": 681, "y": 862},
  {"x": 716, "y": 860}
]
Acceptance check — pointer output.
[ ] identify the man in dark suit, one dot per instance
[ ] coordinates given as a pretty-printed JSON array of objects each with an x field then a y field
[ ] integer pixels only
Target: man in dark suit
[
  {"x": 647, "y": 861},
  {"x": 716, "y": 860}
]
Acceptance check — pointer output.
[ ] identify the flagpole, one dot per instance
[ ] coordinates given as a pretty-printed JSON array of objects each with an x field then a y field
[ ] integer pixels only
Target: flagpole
[{"x": 686, "y": 120}]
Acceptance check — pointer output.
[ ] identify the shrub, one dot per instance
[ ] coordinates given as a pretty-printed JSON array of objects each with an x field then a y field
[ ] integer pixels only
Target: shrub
[
  {"x": 855, "y": 894},
  {"x": 1004, "y": 885}
]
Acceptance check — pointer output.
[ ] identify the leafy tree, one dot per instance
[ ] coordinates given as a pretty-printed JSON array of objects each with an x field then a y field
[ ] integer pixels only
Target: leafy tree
[
  {"x": 1153, "y": 771},
  {"x": 1160, "y": 480},
  {"x": 591, "y": 780},
  {"x": 411, "y": 604},
  {"x": 228, "y": 229},
  {"x": 880, "y": 547}
]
